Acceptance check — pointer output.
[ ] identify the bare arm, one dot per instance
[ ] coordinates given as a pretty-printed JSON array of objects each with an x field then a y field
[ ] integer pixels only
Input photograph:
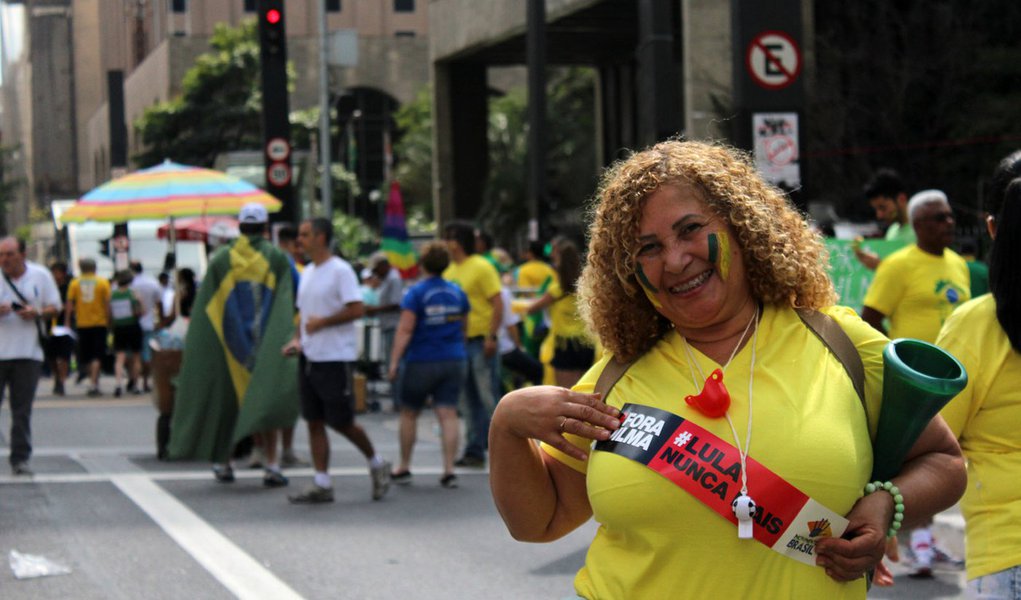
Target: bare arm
[
  {"x": 350, "y": 312},
  {"x": 932, "y": 479},
  {"x": 539, "y": 498},
  {"x": 402, "y": 337},
  {"x": 540, "y": 304},
  {"x": 495, "y": 322},
  {"x": 874, "y": 318}
]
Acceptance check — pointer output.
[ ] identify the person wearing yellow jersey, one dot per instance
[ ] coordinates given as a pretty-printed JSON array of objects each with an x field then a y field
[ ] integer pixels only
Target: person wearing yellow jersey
[
  {"x": 533, "y": 278},
  {"x": 573, "y": 351},
  {"x": 695, "y": 268},
  {"x": 479, "y": 280},
  {"x": 917, "y": 287},
  {"x": 985, "y": 335},
  {"x": 88, "y": 297}
]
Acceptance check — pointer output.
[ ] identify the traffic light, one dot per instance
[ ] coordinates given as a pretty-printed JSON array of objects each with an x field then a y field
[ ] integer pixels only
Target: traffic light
[
  {"x": 276, "y": 127},
  {"x": 271, "y": 27}
]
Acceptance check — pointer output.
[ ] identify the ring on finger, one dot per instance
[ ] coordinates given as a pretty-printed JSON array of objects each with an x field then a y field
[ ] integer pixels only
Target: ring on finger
[{"x": 563, "y": 422}]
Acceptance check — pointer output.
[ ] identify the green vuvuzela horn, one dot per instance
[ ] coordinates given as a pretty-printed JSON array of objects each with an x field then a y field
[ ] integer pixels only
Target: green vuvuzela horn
[{"x": 918, "y": 380}]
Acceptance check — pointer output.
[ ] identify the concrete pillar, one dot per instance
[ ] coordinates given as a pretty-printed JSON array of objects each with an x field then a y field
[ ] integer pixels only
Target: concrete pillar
[
  {"x": 657, "y": 75},
  {"x": 460, "y": 148}
]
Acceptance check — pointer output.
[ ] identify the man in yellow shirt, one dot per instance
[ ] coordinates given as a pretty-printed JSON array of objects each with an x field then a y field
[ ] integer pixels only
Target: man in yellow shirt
[
  {"x": 918, "y": 287},
  {"x": 479, "y": 280},
  {"x": 88, "y": 297}
]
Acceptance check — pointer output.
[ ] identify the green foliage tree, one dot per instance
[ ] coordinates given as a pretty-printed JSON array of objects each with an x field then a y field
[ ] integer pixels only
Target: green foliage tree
[
  {"x": 414, "y": 151},
  {"x": 9, "y": 184},
  {"x": 219, "y": 108}
]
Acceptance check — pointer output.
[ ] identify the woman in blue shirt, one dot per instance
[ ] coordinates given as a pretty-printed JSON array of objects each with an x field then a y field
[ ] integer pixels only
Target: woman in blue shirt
[{"x": 429, "y": 359}]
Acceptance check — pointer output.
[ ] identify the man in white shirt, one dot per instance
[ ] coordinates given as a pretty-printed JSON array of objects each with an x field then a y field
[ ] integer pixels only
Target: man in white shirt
[
  {"x": 329, "y": 302},
  {"x": 28, "y": 297},
  {"x": 150, "y": 294}
]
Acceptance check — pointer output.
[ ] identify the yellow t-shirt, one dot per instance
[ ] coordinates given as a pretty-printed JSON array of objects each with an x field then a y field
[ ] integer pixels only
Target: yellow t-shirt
[
  {"x": 985, "y": 418},
  {"x": 657, "y": 541},
  {"x": 917, "y": 291},
  {"x": 534, "y": 273},
  {"x": 480, "y": 282},
  {"x": 564, "y": 319},
  {"x": 90, "y": 295}
]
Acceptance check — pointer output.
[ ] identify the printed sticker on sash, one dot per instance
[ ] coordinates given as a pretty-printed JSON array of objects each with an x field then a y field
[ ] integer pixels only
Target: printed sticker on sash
[{"x": 709, "y": 468}]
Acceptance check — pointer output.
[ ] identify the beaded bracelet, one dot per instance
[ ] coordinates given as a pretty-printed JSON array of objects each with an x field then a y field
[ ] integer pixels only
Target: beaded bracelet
[{"x": 898, "y": 503}]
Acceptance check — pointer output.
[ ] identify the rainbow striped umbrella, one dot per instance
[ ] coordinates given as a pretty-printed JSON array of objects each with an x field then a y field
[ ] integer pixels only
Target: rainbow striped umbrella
[{"x": 167, "y": 190}]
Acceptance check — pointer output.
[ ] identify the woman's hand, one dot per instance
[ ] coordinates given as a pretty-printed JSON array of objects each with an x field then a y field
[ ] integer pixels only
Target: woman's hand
[
  {"x": 863, "y": 544},
  {"x": 546, "y": 413}
]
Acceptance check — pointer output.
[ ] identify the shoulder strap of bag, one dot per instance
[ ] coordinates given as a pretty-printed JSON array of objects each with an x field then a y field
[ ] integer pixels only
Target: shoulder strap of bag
[
  {"x": 833, "y": 337},
  {"x": 15, "y": 289},
  {"x": 611, "y": 374},
  {"x": 39, "y": 326}
]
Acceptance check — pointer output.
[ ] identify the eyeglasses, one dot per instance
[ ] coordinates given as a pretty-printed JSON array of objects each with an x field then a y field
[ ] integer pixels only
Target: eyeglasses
[{"x": 940, "y": 217}]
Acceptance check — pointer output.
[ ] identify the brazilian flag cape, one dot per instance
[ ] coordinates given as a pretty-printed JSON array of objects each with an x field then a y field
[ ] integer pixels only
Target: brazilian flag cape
[{"x": 234, "y": 380}]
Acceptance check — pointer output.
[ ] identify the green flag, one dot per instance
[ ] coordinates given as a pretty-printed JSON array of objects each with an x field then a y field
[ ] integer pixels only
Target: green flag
[{"x": 234, "y": 380}]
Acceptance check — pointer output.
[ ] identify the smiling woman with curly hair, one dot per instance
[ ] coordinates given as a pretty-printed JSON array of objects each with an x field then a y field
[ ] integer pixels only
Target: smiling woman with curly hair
[
  {"x": 708, "y": 289},
  {"x": 784, "y": 259}
]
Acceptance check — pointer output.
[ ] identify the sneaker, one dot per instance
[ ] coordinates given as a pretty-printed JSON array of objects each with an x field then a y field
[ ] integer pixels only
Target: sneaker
[
  {"x": 292, "y": 460},
  {"x": 274, "y": 479},
  {"x": 21, "y": 468},
  {"x": 58, "y": 388},
  {"x": 223, "y": 474},
  {"x": 117, "y": 392},
  {"x": 470, "y": 460},
  {"x": 313, "y": 494},
  {"x": 449, "y": 481},
  {"x": 380, "y": 480},
  {"x": 93, "y": 393},
  {"x": 401, "y": 478}
]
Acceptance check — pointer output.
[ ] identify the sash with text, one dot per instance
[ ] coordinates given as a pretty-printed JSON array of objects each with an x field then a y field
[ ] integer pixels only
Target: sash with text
[{"x": 707, "y": 467}]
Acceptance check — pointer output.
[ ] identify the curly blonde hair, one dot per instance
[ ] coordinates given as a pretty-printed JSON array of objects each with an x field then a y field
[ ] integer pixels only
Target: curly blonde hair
[{"x": 785, "y": 261}]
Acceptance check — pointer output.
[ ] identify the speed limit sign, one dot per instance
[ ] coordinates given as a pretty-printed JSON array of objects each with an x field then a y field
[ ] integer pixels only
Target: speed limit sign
[
  {"x": 278, "y": 174},
  {"x": 278, "y": 149}
]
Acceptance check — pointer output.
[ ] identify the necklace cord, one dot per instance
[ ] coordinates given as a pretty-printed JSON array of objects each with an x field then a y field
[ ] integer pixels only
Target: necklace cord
[{"x": 742, "y": 454}]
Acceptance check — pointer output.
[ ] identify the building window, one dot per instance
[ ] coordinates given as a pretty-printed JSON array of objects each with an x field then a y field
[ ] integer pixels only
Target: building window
[
  {"x": 179, "y": 6},
  {"x": 249, "y": 6},
  {"x": 404, "y": 5},
  {"x": 404, "y": 34},
  {"x": 332, "y": 5}
]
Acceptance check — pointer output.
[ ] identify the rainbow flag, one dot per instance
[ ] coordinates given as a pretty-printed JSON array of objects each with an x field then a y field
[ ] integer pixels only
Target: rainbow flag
[{"x": 395, "y": 244}]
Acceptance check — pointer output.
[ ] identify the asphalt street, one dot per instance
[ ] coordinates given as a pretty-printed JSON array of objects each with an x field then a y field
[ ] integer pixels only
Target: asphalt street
[{"x": 130, "y": 526}]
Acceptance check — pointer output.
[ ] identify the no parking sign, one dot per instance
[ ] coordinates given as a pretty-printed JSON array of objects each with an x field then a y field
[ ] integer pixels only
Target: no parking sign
[{"x": 776, "y": 148}]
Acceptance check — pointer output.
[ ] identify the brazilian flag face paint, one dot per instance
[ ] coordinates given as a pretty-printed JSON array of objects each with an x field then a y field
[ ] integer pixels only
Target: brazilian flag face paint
[
  {"x": 719, "y": 253},
  {"x": 647, "y": 287}
]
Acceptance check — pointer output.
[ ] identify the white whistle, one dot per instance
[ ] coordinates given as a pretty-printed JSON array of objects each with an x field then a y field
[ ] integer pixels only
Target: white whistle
[{"x": 744, "y": 510}]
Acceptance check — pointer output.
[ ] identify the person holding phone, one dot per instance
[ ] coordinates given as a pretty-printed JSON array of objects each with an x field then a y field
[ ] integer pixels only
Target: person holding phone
[{"x": 28, "y": 295}]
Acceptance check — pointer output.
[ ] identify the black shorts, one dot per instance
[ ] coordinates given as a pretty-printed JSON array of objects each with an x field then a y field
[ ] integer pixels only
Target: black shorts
[
  {"x": 572, "y": 354},
  {"x": 326, "y": 392},
  {"x": 127, "y": 338},
  {"x": 92, "y": 344},
  {"x": 60, "y": 347}
]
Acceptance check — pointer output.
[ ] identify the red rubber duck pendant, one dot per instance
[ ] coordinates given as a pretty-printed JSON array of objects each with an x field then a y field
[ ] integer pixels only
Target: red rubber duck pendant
[{"x": 714, "y": 400}]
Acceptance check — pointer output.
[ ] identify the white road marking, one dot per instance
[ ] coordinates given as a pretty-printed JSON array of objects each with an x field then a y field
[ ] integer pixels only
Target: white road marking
[
  {"x": 244, "y": 576},
  {"x": 195, "y": 475}
]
